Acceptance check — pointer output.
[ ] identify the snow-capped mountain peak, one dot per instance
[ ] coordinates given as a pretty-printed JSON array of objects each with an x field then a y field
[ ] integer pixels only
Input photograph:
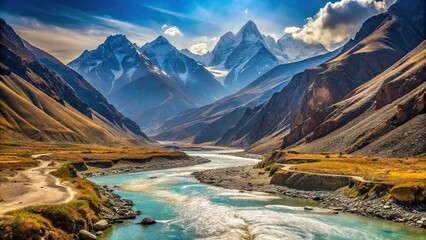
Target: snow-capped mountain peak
[
  {"x": 249, "y": 33},
  {"x": 112, "y": 64},
  {"x": 116, "y": 39},
  {"x": 157, "y": 50}
]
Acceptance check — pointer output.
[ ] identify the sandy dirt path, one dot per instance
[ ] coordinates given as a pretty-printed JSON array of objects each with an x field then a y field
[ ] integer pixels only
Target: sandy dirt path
[{"x": 34, "y": 186}]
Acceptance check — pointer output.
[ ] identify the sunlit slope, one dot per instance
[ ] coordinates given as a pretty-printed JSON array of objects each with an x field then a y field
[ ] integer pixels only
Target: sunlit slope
[{"x": 28, "y": 112}]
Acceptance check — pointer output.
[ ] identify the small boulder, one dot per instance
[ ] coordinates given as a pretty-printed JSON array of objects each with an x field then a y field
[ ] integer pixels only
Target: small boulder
[
  {"x": 101, "y": 225},
  {"x": 308, "y": 208},
  {"x": 138, "y": 212},
  {"x": 86, "y": 235},
  {"x": 316, "y": 198},
  {"x": 148, "y": 221},
  {"x": 99, "y": 233}
]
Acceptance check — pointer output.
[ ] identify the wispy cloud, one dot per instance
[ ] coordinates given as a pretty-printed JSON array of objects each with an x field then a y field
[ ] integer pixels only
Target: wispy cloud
[
  {"x": 68, "y": 43},
  {"x": 175, "y": 14}
]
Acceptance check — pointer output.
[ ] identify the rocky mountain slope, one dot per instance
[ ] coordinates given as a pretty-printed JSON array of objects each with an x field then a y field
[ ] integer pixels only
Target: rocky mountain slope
[
  {"x": 210, "y": 122},
  {"x": 37, "y": 103},
  {"x": 384, "y": 116},
  {"x": 381, "y": 41}
]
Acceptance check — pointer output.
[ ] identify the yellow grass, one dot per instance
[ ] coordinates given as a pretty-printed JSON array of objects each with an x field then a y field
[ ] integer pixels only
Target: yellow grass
[
  {"x": 69, "y": 152},
  {"x": 389, "y": 170}
]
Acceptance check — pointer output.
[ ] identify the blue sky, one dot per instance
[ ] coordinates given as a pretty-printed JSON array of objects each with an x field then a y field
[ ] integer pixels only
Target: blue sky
[{"x": 65, "y": 28}]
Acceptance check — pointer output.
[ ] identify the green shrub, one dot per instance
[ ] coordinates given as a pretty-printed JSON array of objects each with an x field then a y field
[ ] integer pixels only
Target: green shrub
[
  {"x": 273, "y": 169},
  {"x": 293, "y": 152}
]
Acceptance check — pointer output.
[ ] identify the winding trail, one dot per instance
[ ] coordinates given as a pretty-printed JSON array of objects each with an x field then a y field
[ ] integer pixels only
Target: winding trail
[{"x": 36, "y": 187}]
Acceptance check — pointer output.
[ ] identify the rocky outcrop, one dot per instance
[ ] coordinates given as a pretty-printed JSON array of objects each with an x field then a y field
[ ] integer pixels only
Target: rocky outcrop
[
  {"x": 310, "y": 181},
  {"x": 114, "y": 208},
  {"x": 148, "y": 221},
  {"x": 409, "y": 194}
]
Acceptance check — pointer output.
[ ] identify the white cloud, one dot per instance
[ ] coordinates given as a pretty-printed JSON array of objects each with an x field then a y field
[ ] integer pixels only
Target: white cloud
[
  {"x": 164, "y": 26},
  {"x": 246, "y": 11},
  {"x": 173, "y": 31},
  {"x": 291, "y": 30},
  {"x": 199, "y": 48},
  {"x": 337, "y": 22}
]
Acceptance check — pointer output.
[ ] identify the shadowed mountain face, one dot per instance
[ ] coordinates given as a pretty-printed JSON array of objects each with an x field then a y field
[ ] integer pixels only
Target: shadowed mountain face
[
  {"x": 37, "y": 103},
  {"x": 210, "y": 122},
  {"x": 381, "y": 41}
]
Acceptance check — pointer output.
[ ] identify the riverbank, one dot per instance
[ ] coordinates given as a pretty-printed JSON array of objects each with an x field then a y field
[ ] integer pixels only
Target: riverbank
[
  {"x": 249, "y": 179},
  {"x": 128, "y": 166}
]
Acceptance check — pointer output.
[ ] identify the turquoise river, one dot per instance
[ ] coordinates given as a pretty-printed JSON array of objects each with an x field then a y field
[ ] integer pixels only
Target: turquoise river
[{"x": 187, "y": 209}]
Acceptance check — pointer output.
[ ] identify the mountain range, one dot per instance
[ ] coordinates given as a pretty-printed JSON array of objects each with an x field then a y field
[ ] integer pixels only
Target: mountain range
[
  {"x": 250, "y": 91},
  {"x": 242, "y": 57},
  {"x": 156, "y": 81},
  {"x": 147, "y": 90},
  {"x": 302, "y": 106},
  {"x": 317, "y": 98},
  {"x": 197, "y": 124}
]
